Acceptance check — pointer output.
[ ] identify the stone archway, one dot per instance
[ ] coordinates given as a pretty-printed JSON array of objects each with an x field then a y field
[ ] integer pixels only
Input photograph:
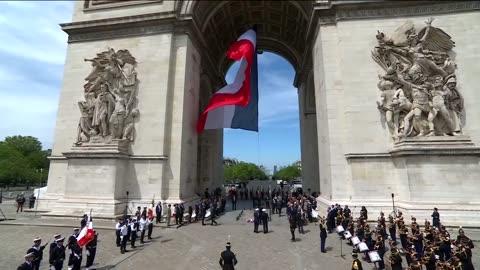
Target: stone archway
[
  {"x": 282, "y": 29},
  {"x": 175, "y": 42}
]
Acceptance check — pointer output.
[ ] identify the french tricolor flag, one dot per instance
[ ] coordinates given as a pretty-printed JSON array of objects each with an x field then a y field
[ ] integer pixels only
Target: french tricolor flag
[
  {"x": 236, "y": 104},
  {"x": 86, "y": 234}
]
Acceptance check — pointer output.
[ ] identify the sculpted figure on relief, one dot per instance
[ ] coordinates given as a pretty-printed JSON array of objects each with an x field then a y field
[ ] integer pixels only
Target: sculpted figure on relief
[
  {"x": 109, "y": 110},
  {"x": 419, "y": 93}
]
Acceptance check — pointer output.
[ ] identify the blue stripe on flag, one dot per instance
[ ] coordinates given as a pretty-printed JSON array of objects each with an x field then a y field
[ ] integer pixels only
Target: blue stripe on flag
[{"x": 247, "y": 117}]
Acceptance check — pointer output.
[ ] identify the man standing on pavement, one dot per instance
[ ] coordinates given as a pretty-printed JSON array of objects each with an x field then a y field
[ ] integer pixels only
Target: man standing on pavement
[
  {"x": 169, "y": 214},
  {"x": 436, "y": 218},
  {"x": 158, "y": 212},
  {"x": 20, "y": 202},
  {"x": 265, "y": 220},
  {"x": 228, "y": 260},
  {"x": 323, "y": 235}
]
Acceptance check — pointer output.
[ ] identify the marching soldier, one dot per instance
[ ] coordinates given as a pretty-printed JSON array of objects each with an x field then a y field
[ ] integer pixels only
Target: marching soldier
[
  {"x": 91, "y": 248},
  {"x": 37, "y": 250},
  {"x": 228, "y": 260},
  {"x": 57, "y": 254},
  {"x": 356, "y": 264},
  {"x": 53, "y": 245},
  {"x": 28, "y": 264},
  {"x": 134, "y": 230},
  {"x": 71, "y": 241}
]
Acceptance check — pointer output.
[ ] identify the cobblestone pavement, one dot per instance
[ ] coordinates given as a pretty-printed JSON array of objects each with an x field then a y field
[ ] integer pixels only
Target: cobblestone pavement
[{"x": 193, "y": 246}]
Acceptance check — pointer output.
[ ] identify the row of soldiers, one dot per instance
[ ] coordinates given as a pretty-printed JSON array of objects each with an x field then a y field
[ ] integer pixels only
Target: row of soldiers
[
  {"x": 58, "y": 253},
  {"x": 432, "y": 247}
]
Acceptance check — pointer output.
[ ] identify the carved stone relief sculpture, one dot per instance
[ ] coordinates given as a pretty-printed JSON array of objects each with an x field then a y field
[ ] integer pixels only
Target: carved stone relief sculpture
[
  {"x": 110, "y": 107},
  {"x": 418, "y": 92}
]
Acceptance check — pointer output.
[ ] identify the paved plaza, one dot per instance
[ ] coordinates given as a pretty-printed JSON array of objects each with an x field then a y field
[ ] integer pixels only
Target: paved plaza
[{"x": 191, "y": 246}]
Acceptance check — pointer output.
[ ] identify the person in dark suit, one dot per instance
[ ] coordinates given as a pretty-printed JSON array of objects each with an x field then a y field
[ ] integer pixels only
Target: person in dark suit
[
  {"x": 28, "y": 264},
  {"x": 436, "y": 218},
  {"x": 228, "y": 260},
  {"x": 53, "y": 245},
  {"x": 83, "y": 222},
  {"x": 323, "y": 235},
  {"x": 158, "y": 212}
]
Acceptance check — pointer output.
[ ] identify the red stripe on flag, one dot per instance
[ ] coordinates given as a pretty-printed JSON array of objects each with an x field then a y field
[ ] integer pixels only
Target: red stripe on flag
[{"x": 238, "y": 50}]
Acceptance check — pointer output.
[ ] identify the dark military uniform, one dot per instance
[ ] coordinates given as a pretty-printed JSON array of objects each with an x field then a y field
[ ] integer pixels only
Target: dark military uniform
[
  {"x": 91, "y": 251},
  {"x": 227, "y": 260},
  {"x": 38, "y": 251},
  {"x": 57, "y": 257},
  {"x": 25, "y": 266}
]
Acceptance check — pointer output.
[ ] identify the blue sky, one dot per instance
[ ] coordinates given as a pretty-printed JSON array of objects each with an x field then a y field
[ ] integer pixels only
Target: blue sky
[{"x": 32, "y": 53}]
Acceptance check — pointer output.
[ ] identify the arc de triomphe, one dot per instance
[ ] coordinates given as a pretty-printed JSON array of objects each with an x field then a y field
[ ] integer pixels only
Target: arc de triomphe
[{"x": 388, "y": 102}]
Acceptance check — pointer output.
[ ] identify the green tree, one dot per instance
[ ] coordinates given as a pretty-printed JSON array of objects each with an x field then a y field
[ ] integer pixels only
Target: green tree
[
  {"x": 22, "y": 161},
  {"x": 243, "y": 171},
  {"x": 13, "y": 165},
  {"x": 24, "y": 144},
  {"x": 289, "y": 173}
]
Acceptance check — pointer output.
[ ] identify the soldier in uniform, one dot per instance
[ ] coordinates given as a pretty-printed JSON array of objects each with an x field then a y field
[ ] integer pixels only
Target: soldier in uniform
[
  {"x": 57, "y": 254},
  {"x": 53, "y": 245},
  {"x": 356, "y": 264},
  {"x": 265, "y": 220},
  {"x": 91, "y": 251},
  {"x": 228, "y": 260},
  {"x": 28, "y": 264},
  {"x": 134, "y": 230},
  {"x": 118, "y": 226},
  {"x": 37, "y": 250},
  {"x": 71, "y": 241},
  {"x": 256, "y": 220},
  {"x": 435, "y": 218}
]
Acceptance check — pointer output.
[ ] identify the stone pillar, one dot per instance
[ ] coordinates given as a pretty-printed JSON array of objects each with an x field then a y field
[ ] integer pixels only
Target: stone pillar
[
  {"x": 308, "y": 135},
  {"x": 330, "y": 111},
  {"x": 181, "y": 171}
]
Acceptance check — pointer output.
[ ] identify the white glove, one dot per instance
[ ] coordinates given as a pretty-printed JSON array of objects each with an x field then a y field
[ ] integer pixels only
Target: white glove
[{"x": 88, "y": 252}]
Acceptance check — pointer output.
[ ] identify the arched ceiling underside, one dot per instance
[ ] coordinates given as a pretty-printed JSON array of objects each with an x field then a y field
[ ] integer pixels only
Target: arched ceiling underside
[{"x": 281, "y": 27}]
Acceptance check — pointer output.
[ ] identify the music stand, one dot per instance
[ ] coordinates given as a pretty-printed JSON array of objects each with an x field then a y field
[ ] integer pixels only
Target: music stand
[{"x": 341, "y": 245}]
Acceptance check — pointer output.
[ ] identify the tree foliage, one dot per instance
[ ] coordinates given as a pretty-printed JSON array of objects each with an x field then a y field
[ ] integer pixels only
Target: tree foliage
[
  {"x": 243, "y": 171},
  {"x": 288, "y": 173},
  {"x": 22, "y": 161}
]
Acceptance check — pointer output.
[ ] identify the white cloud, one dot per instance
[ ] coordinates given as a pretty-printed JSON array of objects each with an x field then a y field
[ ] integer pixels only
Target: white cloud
[{"x": 33, "y": 51}]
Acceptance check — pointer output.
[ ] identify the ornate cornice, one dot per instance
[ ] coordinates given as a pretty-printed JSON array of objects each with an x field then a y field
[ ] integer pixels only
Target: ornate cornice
[
  {"x": 329, "y": 12},
  {"x": 406, "y": 8},
  {"x": 138, "y": 25}
]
